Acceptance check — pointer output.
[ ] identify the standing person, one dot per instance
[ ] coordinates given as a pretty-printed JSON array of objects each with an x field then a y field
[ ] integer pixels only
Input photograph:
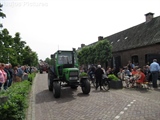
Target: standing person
[
  {"x": 15, "y": 70},
  {"x": 6, "y": 69},
  {"x": 154, "y": 69},
  {"x": 20, "y": 73},
  {"x": 3, "y": 75},
  {"x": 109, "y": 71},
  {"x": 25, "y": 77},
  {"x": 26, "y": 69},
  {"x": 92, "y": 70},
  {"x": 130, "y": 66},
  {"x": 10, "y": 69},
  {"x": 98, "y": 74}
]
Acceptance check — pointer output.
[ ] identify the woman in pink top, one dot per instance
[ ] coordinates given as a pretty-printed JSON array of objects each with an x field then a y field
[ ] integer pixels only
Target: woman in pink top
[{"x": 3, "y": 75}]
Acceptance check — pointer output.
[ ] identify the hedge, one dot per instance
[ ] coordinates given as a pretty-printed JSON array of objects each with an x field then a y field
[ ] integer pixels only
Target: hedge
[{"x": 16, "y": 104}]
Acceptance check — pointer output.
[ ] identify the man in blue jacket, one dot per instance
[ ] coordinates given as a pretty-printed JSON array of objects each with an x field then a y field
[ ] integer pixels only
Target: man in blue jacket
[{"x": 154, "y": 69}]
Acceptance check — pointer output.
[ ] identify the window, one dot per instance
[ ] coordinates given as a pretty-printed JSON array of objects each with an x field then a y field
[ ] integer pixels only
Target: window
[
  {"x": 135, "y": 60},
  {"x": 149, "y": 58},
  {"x": 65, "y": 58}
]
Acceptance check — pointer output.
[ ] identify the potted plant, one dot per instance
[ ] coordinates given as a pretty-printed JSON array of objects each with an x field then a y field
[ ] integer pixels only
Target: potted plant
[
  {"x": 115, "y": 82},
  {"x": 83, "y": 75}
]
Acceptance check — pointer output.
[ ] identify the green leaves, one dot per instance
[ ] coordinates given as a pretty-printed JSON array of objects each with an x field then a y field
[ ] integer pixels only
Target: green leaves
[
  {"x": 83, "y": 74},
  {"x": 16, "y": 104},
  {"x": 2, "y": 15},
  {"x": 17, "y": 100},
  {"x": 103, "y": 51},
  {"x": 15, "y": 51},
  {"x": 113, "y": 77},
  {"x": 97, "y": 53}
]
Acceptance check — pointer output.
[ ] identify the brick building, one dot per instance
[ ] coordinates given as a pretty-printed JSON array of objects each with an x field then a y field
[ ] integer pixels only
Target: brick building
[{"x": 139, "y": 44}]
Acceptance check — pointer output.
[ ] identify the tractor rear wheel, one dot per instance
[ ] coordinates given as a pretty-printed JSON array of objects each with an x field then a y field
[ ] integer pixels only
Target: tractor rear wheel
[{"x": 50, "y": 87}]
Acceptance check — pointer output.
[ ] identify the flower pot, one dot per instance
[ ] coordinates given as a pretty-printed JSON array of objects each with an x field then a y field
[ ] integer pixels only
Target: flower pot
[{"x": 116, "y": 84}]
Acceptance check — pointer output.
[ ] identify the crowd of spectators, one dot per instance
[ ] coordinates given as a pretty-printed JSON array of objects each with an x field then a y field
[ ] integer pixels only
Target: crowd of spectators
[
  {"x": 139, "y": 75},
  {"x": 10, "y": 75},
  {"x": 130, "y": 72}
]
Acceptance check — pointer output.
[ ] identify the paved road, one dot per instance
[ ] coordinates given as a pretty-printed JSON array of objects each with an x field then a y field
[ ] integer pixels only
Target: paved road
[{"x": 125, "y": 104}]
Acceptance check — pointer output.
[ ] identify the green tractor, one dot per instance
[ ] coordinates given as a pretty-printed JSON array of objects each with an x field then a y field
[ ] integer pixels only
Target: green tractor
[{"x": 64, "y": 72}]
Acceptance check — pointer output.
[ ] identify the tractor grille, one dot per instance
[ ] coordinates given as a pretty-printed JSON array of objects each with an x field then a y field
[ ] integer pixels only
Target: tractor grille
[{"x": 73, "y": 73}]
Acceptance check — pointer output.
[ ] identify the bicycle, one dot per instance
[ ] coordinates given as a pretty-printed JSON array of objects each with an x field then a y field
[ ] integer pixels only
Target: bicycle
[
  {"x": 105, "y": 83},
  {"x": 93, "y": 80}
]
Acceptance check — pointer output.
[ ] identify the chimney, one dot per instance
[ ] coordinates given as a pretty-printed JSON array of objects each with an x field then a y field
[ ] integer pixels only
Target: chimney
[
  {"x": 100, "y": 38},
  {"x": 149, "y": 16},
  {"x": 82, "y": 45}
]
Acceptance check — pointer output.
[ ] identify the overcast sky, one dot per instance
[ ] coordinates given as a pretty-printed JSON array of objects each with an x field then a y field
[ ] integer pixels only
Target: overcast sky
[{"x": 49, "y": 25}]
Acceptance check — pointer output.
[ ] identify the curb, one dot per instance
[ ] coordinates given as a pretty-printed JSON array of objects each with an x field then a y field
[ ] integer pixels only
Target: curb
[{"x": 31, "y": 108}]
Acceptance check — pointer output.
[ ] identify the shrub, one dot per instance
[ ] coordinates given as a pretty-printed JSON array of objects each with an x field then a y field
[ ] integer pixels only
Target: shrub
[
  {"x": 17, "y": 100},
  {"x": 31, "y": 77},
  {"x": 113, "y": 77},
  {"x": 83, "y": 74}
]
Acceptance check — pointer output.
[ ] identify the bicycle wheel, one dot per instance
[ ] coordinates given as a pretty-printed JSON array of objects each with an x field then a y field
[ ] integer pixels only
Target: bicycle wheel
[
  {"x": 106, "y": 85},
  {"x": 93, "y": 82}
]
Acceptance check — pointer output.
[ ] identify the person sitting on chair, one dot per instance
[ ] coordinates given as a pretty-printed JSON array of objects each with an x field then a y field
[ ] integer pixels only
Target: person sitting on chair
[
  {"x": 120, "y": 74},
  {"x": 134, "y": 75},
  {"x": 140, "y": 76}
]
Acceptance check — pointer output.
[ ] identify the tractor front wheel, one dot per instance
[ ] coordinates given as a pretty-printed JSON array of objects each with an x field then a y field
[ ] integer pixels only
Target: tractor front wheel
[
  {"x": 86, "y": 87},
  {"x": 56, "y": 89}
]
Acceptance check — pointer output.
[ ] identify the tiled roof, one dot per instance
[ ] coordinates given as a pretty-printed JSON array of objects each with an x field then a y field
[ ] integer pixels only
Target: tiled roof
[
  {"x": 138, "y": 36},
  {"x": 141, "y": 35}
]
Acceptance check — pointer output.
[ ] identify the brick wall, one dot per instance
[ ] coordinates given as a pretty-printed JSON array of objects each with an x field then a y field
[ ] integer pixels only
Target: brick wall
[{"x": 140, "y": 52}]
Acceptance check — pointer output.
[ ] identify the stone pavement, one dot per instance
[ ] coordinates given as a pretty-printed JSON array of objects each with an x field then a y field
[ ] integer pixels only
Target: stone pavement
[{"x": 125, "y": 104}]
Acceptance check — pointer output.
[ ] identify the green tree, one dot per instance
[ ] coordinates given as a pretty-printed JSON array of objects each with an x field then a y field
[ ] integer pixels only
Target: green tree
[
  {"x": 82, "y": 56},
  {"x": 91, "y": 56},
  {"x": 33, "y": 59},
  {"x": 2, "y": 15},
  {"x": 18, "y": 46},
  {"x": 103, "y": 51},
  {"x": 47, "y": 60},
  {"x": 29, "y": 57},
  {"x": 98, "y": 53},
  {"x": 6, "y": 42},
  {"x": 14, "y": 50}
]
